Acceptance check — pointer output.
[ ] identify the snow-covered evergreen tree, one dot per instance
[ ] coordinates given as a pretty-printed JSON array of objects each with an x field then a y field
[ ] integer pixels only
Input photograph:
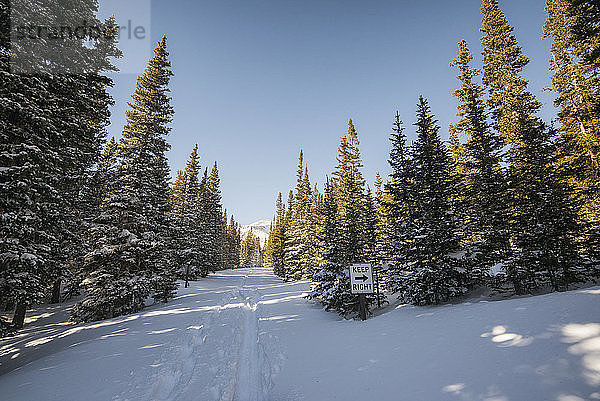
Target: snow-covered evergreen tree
[
  {"x": 129, "y": 258},
  {"x": 250, "y": 251},
  {"x": 277, "y": 239},
  {"x": 300, "y": 242},
  {"x": 541, "y": 217},
  {"x": 482, "y": 187},
  {"x": 330, "y": 282},
  {"x": 215, "y": 234},
  {"x": 187, "y": 235},
  {"x": 431, "y": 273},
  {"x": 576, "y": 80},
  {"x": 396, "y": 206},
  {"x": 51, "y": 128},
  {"x": 344, "y": 233}
]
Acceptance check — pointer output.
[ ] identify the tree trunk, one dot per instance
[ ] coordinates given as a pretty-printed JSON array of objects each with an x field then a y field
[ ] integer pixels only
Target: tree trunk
[
  {"x": 56, "y": 292},
  {"x": 19, "y": 316}
]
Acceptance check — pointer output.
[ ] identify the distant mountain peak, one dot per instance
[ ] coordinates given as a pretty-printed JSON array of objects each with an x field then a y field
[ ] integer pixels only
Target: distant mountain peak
[{"x": 260, "y": 228}]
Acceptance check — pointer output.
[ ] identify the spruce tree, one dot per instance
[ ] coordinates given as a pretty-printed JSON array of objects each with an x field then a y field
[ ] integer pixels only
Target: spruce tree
[
  {"x": 234, "y": 243},
  {"x": 215, "y": 222},
  {"x": 478, "y": 174},
  {"x": 503, "y": 62},
  {"x": 576, "y": 80},
  {"x": 277, "y": 237},
  {"x": 128, "y": 261},
  {"x": 371, "y": 225},
  {"x": 396, "y": 204},
  {"x": 188, "y": 236},
  {"x": 330, "y": 282},
  {"x": 226, "y": 244},
  {"x": 431, "y": 274},
  {"x": 299, "y": 246},
  {"x": 541, "y": 217},
  {"x": 586, "y": 27},
  {"x": 250, "y": 252},
  {"x": 380, "y": 257},
  {"x": 350, "y": 196},
  {"x": 343, "y": 240},
  {"x": 203, "y": 222},
  {"x": 51, "y": 128}
]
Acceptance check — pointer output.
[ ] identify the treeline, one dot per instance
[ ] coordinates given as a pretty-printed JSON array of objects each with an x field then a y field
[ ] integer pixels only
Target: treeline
[
  {"x": 509, "y": 201},
  {"x": 203, "y": 240},
  {"x": 82, "y": 215},
  {"x": 251, "y": 252}
]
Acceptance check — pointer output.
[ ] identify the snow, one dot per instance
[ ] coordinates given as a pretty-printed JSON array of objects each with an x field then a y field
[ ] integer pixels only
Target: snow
[
  {"x": 244, "y": 335},
  {"x": 497, "y": 269},
  {"x": 260, "y": 228}
]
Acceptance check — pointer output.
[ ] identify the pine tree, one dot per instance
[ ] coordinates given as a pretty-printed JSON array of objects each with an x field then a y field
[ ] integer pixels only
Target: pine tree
[
  {"x": 541, "y": 217},
  {"x": 586, "y": 27},
  {"x": 396, "y": 205},
  {"x": 203, "y": 222},
  {"x": 277, "y": 237},
  {"x": 343, "y": 241},
  {"x": 503, "y": 62},
  {"x": 128, "y": 260},
  {"x": 371, "y": 225},
  {"x": 51, "y": 131},
  {"x": 431, "y": 274},
  {"x": 330, "y": 282},
  {"x": 380, "y": 257},
  {"x": 478, "y": 174},
  {"x": 576, "y": 80},
  {"x": 299, "y": 246},
  {"x": 215, "y": 226},
  {"x": 250, "y": 253},
  {"x": 350, "y": 192},
  {"x": 187, "y": 236}
]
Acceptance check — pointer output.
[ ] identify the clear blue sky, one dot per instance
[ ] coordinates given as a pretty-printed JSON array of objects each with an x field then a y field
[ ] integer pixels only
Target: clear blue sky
[{"x": 255, "y": 81}]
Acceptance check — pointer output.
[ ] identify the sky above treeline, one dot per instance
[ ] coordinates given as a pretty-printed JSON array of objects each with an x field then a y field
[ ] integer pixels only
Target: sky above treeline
[{"x": 255, "y": 81}]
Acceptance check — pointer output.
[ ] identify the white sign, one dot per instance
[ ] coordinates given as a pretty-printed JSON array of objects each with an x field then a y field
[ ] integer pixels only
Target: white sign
[{"x": 361, "y": 279}]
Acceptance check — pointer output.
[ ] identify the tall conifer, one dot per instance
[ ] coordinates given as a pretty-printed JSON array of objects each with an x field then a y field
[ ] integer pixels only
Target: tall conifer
[
  {"x": 431, "y": 274},
  {"x": 541, "y": 217},
  {"x": 129, "y": 260},
  {"x": 576, "y": 80},
  {"x": 480, "y": 178}
]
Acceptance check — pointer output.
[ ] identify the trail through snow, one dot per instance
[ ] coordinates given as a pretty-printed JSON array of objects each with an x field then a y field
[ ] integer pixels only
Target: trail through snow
[
  {"x": 204, "y": 345},
  {"x": 244, "y": 335}
]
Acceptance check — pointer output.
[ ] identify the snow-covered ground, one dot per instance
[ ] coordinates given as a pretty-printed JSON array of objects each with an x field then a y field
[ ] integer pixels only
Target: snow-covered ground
[{"x": 245, "y": 335}]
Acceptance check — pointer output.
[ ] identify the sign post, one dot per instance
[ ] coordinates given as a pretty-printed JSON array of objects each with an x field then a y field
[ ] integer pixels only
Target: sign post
[{"x": 361, "y": 283}]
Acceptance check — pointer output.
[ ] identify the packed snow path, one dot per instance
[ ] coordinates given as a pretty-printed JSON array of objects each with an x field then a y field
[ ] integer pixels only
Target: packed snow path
[{"x": 244, "y": 335}]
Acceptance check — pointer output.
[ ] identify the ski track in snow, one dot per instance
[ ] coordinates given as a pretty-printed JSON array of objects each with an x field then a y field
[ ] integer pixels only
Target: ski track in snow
[
  {"x": 247, "y": 385},
  {"x": 224, "y": 347}
]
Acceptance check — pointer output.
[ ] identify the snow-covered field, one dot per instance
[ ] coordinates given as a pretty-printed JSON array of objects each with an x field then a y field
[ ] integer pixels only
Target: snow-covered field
[{"x": 245, "y": 335}]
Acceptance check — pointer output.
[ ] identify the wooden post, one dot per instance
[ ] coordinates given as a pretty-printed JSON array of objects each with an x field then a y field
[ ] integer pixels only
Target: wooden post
[
  {"x": 362, "y": 303},
  {"x": 56, "y": 292},
  {"x": 19, "y": 317},
  {"x": 376, "y": 271}
]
